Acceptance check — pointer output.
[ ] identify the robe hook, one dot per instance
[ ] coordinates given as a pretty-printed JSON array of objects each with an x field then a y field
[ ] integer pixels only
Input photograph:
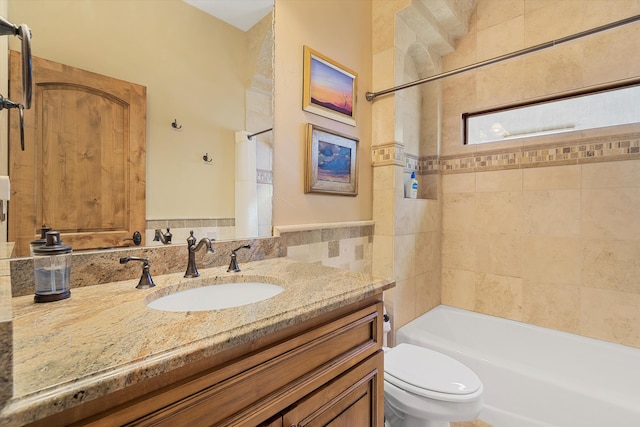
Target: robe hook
[
  {"x": 175, "y": 124},
  {"x": 206, "y": 158}
]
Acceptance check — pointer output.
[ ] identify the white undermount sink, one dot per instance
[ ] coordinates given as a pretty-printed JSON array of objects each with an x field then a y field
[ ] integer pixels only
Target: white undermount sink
[{"x": 216, "y": 297}]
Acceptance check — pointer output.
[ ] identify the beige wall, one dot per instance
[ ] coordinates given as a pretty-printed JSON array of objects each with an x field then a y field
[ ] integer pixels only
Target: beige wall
[
  {"x": 550, "y": 239},
  {"x": 340, "y": 30},
  {"x": 193, "y": 66}
]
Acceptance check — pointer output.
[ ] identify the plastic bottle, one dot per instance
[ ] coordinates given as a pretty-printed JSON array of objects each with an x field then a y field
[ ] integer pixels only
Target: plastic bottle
[{"x": 411, "y": 189}]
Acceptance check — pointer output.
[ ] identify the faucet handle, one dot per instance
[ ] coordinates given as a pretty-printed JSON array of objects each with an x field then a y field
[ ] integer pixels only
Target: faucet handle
[
  {"x": 233, "y": 265},
  {"x": 191, "y": 240},
  {"x": 145, "y": 280}
]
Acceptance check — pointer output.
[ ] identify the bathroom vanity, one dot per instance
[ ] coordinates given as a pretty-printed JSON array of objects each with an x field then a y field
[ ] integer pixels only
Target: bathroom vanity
[{"x": 309, "y": 354}]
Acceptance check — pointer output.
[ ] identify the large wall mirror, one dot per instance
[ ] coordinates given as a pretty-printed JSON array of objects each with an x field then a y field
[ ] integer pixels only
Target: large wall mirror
[{"x": 205, "y": 81}]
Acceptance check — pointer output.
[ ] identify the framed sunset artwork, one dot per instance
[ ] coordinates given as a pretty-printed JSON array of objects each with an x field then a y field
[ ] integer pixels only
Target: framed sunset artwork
[
  {"x": 329, "y": 88},
  {"x": 332, "y": 162}
]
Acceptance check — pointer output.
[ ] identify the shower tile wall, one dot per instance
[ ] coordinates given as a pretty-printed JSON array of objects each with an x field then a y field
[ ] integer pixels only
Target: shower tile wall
[
  {"x": 557, "y": 247},
  {"x": 545, "y": 233}
]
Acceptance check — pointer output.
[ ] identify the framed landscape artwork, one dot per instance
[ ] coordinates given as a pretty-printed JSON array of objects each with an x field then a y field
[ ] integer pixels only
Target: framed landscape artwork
[
  {"x": 329, "y": 88},
  {"x": 332, "y": 162}
]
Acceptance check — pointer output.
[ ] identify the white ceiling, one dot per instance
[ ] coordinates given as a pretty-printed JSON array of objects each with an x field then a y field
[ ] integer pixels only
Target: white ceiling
[{"x": 242, "y": 14}]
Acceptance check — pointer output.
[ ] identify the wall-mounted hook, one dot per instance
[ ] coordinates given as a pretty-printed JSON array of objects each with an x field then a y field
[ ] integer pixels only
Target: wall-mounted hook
[
  {"x": 175, "y": 124},
  {"x": 206, "y": 158}
]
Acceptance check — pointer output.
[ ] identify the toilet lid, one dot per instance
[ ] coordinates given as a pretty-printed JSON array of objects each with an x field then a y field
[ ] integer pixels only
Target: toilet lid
[{"x": 422, "y": 368}]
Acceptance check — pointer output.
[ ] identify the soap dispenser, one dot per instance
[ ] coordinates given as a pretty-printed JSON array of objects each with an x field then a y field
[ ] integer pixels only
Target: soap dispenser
[
  {"x": 411, "y": 188},
  {"x": 41, "y": 241},
  {"x": 52, "y": 269}
]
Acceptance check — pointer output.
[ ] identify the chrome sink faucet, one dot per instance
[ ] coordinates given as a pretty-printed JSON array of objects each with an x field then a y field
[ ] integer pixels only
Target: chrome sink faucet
[{"x": 192, "y": 270}]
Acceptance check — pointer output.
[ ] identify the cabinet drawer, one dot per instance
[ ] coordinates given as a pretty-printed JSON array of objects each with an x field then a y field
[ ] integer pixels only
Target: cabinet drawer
[
  {"x": 355, "y": 398},
  {"x": 271, "y": 379}
]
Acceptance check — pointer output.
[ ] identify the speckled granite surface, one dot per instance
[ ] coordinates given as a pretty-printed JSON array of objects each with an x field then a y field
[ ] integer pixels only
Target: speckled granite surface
[
  {"x": 104, "y": 338},
  {"x": 95, "y": 267},
  {"x": 6, "y": 326}
]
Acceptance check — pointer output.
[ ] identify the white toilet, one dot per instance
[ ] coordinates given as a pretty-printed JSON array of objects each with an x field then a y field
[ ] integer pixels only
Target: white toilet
[{"x": 424, "y": 388}]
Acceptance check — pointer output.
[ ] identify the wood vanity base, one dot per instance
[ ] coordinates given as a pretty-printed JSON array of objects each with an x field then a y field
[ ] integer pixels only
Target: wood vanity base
[{"x": 325, "y": 370}]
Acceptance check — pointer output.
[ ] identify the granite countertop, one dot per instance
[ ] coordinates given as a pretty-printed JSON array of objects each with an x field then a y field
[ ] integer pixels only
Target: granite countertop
[{"x": 104, "y": 338}]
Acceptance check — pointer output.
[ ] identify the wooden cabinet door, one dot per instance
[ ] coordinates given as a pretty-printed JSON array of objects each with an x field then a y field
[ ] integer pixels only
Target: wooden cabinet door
[
  {"x": 354, "y": 399},
  {"x": 83, "y": 168}
]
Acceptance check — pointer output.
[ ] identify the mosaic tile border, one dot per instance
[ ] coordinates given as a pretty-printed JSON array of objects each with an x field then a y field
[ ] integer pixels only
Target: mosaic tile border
[
  {"x": 411, "y": 163},
  {"x": 589, "y": 150},
  {"x": 388, "y": 154},
  {"x": 598, "y": 149},
  {"x": 186, "y": 223},
  {"x": 264, "y": 176}
]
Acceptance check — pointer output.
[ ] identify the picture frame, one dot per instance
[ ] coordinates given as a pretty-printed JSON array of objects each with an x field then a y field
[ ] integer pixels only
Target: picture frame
[
  {"x": 331, "y": 162},
  {"x": 329, "y": 89}
]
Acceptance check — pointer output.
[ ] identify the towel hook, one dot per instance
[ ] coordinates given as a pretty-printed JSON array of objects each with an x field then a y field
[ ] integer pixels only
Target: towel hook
[
  {"x": 206, "y": 158},
  {"x": 175, "y": 124}
]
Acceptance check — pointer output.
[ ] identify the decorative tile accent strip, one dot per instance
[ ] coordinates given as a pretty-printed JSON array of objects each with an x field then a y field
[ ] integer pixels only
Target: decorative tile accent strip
[
  {"x": 429, "y": 164},
  {"x": 388, "y": 154},
  {"x": 194, "y": 223},
  {"x": 617, "y": 147},
  {"x": 411, "y": 163},
  {"x": 264, "y": 176}
]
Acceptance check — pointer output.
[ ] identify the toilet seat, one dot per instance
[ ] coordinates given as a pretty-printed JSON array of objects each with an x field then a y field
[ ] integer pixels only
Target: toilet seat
[{"x": 411, "y": 368}]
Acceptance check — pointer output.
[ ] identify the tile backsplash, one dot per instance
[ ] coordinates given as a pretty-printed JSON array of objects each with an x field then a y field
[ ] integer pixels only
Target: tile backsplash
[{"x": 343, "y": 245}]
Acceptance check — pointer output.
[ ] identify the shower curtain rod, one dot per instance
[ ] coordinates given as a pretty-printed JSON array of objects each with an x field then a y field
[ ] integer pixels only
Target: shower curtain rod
[
  {"x": 259, "y": 133},
  {"x": 370, "y": 96}
]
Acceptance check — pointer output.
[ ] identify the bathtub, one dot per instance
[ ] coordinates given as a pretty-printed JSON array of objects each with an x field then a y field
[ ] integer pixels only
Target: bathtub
[{"x": 533, "y": 376}]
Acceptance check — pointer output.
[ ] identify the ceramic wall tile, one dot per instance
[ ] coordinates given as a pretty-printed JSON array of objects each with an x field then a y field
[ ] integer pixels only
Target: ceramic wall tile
[
  {"x": 383, "y": 255},
  {"x": 549, "y": 23},
  {"x": 490, "y": 15},
  {"x": 611, "y": 174},
  {"x": 552, "y": 178},
  {"x": 499, "y": 254},
  {"x": 499, "y": 212},
  {"x": 604, "y": 64},
  {"x": 506, "y": 180},
  {"x": 553, "y": 306},
  {"x": 458, "y": 288},
  {"x": 428, "y": 293},
  {"x": 404, "y": 257},
  {"x": 459, "y": 183},
  {"x": 553, "y": 70},
  {"x": 499, "y": 84},
  {"x": 498, "y": 295},
  {"x": 383, "y": 211},
  {"x": 552, "y": 259},
  {"x": 611, "y": 213},
  {"x": 612, "y": 264},
  {"x": 492, "y": 41},
  {"x": 458, "y": 250},
  {"x": 429, "y": 216},
  {"x": 427, "y": 253},
  {"x": 598, "y": 320},
  {"x": 600, "y": 12},
  {"x": 404, "y": 302},
  {"x": 460, "y": 209},
  {"x": 552, "y": 213}
]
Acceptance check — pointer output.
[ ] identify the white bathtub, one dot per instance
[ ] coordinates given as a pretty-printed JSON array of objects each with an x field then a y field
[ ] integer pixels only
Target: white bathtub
[{"x": 534, "y": 376}]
